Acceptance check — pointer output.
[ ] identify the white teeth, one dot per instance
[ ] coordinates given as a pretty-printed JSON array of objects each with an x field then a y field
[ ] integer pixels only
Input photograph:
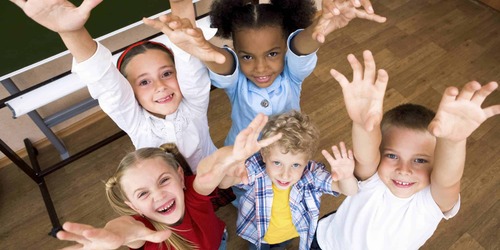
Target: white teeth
[
  {"x": 165, "y": 208},
  {"x": 165, "y": 98},
  {"x": 403, "y": 183}
]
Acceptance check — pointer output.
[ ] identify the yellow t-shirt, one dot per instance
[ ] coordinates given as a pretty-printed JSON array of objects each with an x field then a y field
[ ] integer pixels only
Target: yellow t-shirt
[{"x": 281, "y": 227}]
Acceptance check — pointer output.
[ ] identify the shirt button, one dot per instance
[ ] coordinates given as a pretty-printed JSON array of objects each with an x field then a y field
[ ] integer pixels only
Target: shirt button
[{"x": 264, "y": 103}]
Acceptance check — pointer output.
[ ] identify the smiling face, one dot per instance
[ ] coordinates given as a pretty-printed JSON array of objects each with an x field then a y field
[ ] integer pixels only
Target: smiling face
[
  {"x": 261, "y": 53},
  {"x": 154, "y": 81},
  {"x": 284, "y": 169},
  {"x": 154, "y": 189},
  {"x": 407, "y": 159}
]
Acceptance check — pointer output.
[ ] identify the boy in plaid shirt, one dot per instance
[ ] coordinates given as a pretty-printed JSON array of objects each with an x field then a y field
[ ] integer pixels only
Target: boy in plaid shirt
[{"x": 284, "y": 187}]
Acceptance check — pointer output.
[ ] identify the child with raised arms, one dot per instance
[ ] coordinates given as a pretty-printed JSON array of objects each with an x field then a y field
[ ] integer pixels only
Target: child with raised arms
[
  {"x": 409, "y": 162},
  {"x": 154, "y": 97},
  {"x": 284, "y": 188},
  {"x": 275, "y": 48},
  {"x": 160, "y": 207}
]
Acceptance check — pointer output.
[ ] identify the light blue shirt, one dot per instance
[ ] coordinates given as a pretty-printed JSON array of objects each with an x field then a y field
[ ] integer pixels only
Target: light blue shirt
[{"x": 247, "y": 100}]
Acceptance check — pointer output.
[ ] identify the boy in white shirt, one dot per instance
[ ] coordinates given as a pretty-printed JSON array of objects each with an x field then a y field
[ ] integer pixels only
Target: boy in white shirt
[{"x": 412, "y": 181}]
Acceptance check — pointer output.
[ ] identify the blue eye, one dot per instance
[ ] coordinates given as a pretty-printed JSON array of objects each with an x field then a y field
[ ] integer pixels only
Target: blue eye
[
  {"x": 420, "y": 160},
  {"x": 277, "y": 163},
  {"x": 391, "y": 156},
  {"x": 296, "y": 165}
]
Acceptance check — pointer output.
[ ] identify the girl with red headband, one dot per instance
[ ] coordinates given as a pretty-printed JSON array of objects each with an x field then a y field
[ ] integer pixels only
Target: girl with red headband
[{"x": 155, "y": 99}]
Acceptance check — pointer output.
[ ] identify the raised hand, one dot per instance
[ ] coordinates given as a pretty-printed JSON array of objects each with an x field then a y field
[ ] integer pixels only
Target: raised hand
[
  {"x": 246, "y": 144},
  {"x": 122, "y": 231},
  {"x": 190, "y": 39},
  {"x": 363, "y": 96},
  {"x": 341, "y": 163},
  {"x": 58, "y": 15},
  {"x": 337, "y": 14},
  {"x": 460, "y": 112}
]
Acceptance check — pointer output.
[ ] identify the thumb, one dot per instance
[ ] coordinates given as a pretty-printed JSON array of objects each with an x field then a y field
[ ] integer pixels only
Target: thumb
[
  {"x": 244, "y": 176},
  {"x": 88, "y": 5},
  {"x": 219, "y": 58},
  {"x": 371, "y": 121},
  {"x": 155, "y": 24},
  {"x": 335, "y": 176},
  {"x": 434, "y": 128}
]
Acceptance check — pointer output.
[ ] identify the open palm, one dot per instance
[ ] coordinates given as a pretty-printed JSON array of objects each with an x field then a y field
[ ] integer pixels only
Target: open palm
[{"x": 58, "y": 15}]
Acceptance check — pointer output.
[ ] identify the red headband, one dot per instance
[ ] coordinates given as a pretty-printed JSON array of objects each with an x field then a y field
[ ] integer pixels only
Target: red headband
[{"x": 120, "y": 59}]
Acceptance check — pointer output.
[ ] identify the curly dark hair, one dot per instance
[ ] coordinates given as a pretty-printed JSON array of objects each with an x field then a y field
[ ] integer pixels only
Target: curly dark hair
[{"x": 230, "y": 15}]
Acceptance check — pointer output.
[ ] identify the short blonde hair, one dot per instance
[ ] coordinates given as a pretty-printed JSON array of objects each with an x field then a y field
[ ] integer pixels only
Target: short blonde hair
[{"x": 299, "y": 133}]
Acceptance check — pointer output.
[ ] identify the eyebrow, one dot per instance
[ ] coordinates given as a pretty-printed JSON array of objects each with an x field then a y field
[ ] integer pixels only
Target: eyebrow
[
  {"x": 157, "y": 180},
  {"x": 275, "y": 48},
  {"x": 161, "y": 68}
]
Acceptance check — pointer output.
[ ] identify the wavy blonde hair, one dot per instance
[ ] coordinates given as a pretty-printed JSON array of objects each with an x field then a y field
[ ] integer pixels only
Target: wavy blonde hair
[
  {"x": 299, "y": 133},
  {"x": 116, "y": 196}
]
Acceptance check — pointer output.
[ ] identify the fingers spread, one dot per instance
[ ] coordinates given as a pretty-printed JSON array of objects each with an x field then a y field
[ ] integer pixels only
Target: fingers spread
[
  {"x": 341, "y": 79},
  {"x": 468, "y": 90},
  {"x": 484, "y": 92},
  {"x": 370, "y": 67},
  {"x": 368, "y": 16},
  {"x": 357, "y": 68}
]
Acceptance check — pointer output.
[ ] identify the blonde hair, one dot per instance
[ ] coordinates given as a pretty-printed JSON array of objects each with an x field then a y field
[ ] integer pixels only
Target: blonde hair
[
  {"x": 116, "y": 196},
  {"x": 299, "y": 133}
]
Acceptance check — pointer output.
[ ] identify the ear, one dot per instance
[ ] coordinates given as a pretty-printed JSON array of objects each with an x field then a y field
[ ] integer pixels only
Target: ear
[
  {"x": 133, "y": 207},
  {"x": 180, "y": 171}
]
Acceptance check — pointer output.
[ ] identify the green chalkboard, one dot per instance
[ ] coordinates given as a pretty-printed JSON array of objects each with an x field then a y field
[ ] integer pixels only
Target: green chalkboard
[{"x": 24, "y": 42}]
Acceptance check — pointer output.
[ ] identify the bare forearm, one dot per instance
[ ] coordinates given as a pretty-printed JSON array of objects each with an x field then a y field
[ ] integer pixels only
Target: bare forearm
[
  {"x": 126, "y": 228},
  {"x": 303, "y": 43},
  {"x": 183, "y": 9},
  {"x": 227, "y": 68},
  {"x": 79, "y": 43},
  {"x": 347, "y": 186},
  {"x": 366, "y": 150},
  {"x": 229, "y": 181},
  {"x": 449, "y": 163},
  {"x": 212, "y": 171}
]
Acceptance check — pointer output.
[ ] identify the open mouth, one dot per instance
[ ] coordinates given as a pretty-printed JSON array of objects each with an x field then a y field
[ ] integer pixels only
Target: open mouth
[
  {"x": 403, "y": 184},
  {"x": 262, "y": 79},
  {"x": 283, "y": 183},
  {"x": 167, "y": 208},
  {"x": 165, "y": 99}
]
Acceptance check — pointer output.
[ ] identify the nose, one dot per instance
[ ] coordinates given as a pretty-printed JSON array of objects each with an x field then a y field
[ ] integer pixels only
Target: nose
[
  {"x": 285, "y": 174},
  {"x": 158, "y": 195},
  {"x": 159, "y": 86},
  {"x": 260, "y": 65},
  {"x": 404, "y": 168}
]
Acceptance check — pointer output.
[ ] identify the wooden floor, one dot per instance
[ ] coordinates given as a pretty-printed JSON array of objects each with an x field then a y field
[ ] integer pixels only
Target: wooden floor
[{"x": 425, "y": 46}]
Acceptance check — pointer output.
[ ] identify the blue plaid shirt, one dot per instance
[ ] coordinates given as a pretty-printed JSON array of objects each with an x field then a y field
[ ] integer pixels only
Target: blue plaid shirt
[{"x": 254, "y": 212}]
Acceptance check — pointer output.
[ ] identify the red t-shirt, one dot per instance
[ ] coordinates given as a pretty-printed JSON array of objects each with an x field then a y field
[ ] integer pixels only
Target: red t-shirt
[{"x": 200, "y": 224}]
